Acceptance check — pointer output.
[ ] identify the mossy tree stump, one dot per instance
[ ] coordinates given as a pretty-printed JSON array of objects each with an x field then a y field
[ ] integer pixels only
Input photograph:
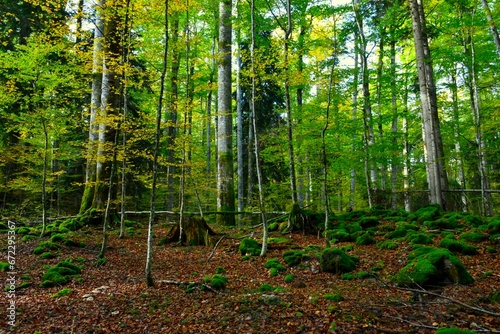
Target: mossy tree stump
[
  {"x": 195, "y": 232},
  {"x": 305, "y": 221}
]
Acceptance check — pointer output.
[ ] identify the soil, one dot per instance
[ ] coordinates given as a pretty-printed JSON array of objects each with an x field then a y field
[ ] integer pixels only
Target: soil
[{"x": 113, "y": 298}]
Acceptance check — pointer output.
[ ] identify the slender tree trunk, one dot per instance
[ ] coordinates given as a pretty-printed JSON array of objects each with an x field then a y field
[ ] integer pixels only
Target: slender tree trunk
[
  {"x": 300, "y": 102},
  {"x": 225, "y": 178},
  {"x": 262, "y": 206},
  {"x": 492, "y": 24},
  {"x": 242, "y": 148},
  {"x": 406, "y": 150},
  {"x": 149, "y": 255},
  {"x": 436, "y": 173},
  {"x": 95, "y": 103},
  {"x": 44, "y": 176},
  {"x": 352, "y": 186},
  {"x": 395, "y": 120}
]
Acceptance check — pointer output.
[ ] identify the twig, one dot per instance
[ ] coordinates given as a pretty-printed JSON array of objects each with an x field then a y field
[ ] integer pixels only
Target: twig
[
  {"x": 188, "y": 283},
  {"x": 411, "y": 323},
  {"x": 215, "y": 247},
  {"x": 422, "y": 290}
]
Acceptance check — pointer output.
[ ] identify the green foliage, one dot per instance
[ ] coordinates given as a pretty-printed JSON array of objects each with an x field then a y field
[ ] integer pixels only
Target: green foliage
[
  {"x": 281, "y": 240},
  {"x": 289, "y": 278},
  {"x": 61, "y": 293},
  {"x": 220, "y": 270},
  {"x": 348, "y": 277},
  {"x": 337, "y": 297},
  {"x": 442, "y": 223},
  {"x": 249, "y": 246},
  {"x": 273, "y": 227},
  {"x": 266, "y": 288},
  {"x": 432, "y": 266},
  {"x": 336, "y": 261},
  {"x": 23, "y": 230},
  {"x": 273, "y": 272},
  {"x": 365, "y": 239},
  {"x": 274, "y": 263},
  {"x": 28, "y": 237},
  {"x": 293, "y": 258},
  {"x": 363, "y": 275},
  {"x": 72, "y": 224}
]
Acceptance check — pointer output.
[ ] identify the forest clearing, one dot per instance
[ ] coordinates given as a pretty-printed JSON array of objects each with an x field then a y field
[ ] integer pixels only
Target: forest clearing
[{"x": 111, "y": 296}]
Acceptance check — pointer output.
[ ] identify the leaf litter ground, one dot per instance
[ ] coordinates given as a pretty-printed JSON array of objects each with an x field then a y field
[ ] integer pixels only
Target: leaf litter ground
[{"x": 113, "y": 298}]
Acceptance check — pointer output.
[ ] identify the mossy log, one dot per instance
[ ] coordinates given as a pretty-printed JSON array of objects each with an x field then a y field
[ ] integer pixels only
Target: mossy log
[{"x": 195, "y": 232}]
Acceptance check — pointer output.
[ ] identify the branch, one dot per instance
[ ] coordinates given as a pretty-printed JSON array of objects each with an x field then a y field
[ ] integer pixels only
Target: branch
[
  {"x": 208, "y": 287},
  {"x": 422, "y": 290},
  {"x": 215, "y": 247}
]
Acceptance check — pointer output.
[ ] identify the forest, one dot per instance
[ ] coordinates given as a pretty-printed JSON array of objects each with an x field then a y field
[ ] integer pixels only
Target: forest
[{"x": 271, "y": 160}]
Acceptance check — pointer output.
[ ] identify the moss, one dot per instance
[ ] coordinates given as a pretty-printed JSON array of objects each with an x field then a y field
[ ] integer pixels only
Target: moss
[
  {"x": 278, "y": 240},
  {"x": 220, "y": 270},
  {"x": 388, "y": 244},
  {"x": 28, "y": 237},
  {"x": 47, "y": 256},
  {"x": 494, "y": 226},
  {"x": 428, "y": 213},
  {"x": 249, "y": 246},
  {"x": 23, "y": 230},
  {"x": 366, "y": 222},
  {"x": 289, "y": 278},
  {"x": 495, "y": 239},
  {"x": 431, "y": 266},
  {"x": 61, "y": 293},
  {"x": 442, "y": 223},
  {"x": 459, "y": 247},
  {"x": 348, "y": 277},
  {"x": 58, "y": 237},
  {"x": 339, "y": 235},
  {"x": 273, "y": 227},
  {"x": 274, "y": 263},
  {"x": 45, "y": 246},
  {"x": 273, "y": 272},
  {"x": 217, "y": 281},
  {"x": 313, "y": 249},
  {"x": 337, "y": 297},
  {"x": 365, "y": 239},
  {"x": 293, "y": 258},
  {"x": 336, "y": 261},
  {"x": 420, "y": 239},
  {"x": 266, "y": 288},
  {"x": 72, "y": 224},
  {"x": 4, "y": 266},
  {"x": 363, "y": 275}
]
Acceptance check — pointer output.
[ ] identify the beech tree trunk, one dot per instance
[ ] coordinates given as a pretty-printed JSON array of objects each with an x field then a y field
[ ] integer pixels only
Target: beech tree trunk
[
  {"x": 436, "y": 173},
  {"x": 492, "y": 24},
  {"x": 225, "y": 177}
]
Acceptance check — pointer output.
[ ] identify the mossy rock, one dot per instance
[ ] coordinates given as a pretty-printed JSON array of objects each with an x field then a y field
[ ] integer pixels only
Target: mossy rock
[
  {"x": 458, "y": 247},
  {"x": 420, "y": 239},
  {"x": 427, "y": 213},
  {"x": 293, "y": 258},
  {"x": 273, "y": 227},
  {"x": 339, "y": 235},
  {"x": 336, "y": 261},
  {"x": 473, "y": 237},
  {"x": 365, "y": 239},
  {"x": 217, "y": 281},
  {"x": 432, "y": 266},
  {"x": 28, "y": 237},
  {"x": 494, "y": 226},
  {"x": 289, "y": 278},
  {"x": 366, "y": 222},
  {"x": 387, "y": 244},
  {"x": 72, "y": 224},
  {"x": 249, "y": 246},
  {"x": 274, "y": 263},
  {"x": 47, "y": 256},
  {"x": 23, "y": 230},
  {"x": 45, "y": 246},
  {"x": 495, "y": 239},
  {"x": 442, "y": 223},
  {"x": 313, "y": 249},
  {"x": 58, "y": 237}
]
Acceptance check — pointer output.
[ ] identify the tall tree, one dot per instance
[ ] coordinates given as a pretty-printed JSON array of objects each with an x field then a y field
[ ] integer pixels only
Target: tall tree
[
  {"x": 436, "y": 172},
  {"x": 225, "y": 169}
]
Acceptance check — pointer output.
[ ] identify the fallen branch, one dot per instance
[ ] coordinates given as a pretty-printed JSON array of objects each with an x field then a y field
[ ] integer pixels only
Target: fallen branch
[
  {"x": 191, "y": 284},
  {"x": 215, "y": 247},
  {"x": 422, "y": 290}
]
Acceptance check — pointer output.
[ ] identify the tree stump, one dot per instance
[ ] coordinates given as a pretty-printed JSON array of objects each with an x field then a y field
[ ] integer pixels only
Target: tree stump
[{"x": 195, "y": 232}]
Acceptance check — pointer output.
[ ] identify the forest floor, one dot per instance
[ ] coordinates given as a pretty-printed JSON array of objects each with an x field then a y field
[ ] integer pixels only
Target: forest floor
[{"x": 113, "y": 298}]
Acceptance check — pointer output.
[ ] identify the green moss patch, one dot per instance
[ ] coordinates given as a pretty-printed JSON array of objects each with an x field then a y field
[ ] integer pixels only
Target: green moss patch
[
  {"x": 61, "y": 293},
  {"x": 337, "y": 297},
  {"x": 274, "y": 264},
  {"x": 420, "y": 239},
  {"x": 60, "y": 274},
  {"x": 4, "y": 266},
  {"x": 453, "y": 245},
  {"x": 367, "y": 222},
  {"x": 45, "y": 246},
  {"x": 249, "y": 246},
  {"x": 453, "y": 331},
  {"x": 217, "y": 281},
  {"x": 293, "y": 258},
  {"x": 494, "y": 226},
  {"x": 336, "y": 261},
  {"x": 387, "y": 244},
  {"x": 427, "y": 213},
  {"x": 365, "y": 239},
  {"x": 473, "y": 236},
  {"x": 432, "y": 266}
]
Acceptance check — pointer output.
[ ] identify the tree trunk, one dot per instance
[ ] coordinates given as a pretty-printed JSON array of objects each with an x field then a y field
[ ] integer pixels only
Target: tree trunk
[
  {"x": 395, "y": 119},
  {"x": 436, "y": 173},
  {"x": 352, "y": 185},
  {"x": 492, "y": 24},
  {"x": 225, "y": 178},
  {"x": 242, "y": 148},
  {"x": 149, "y": 255}
]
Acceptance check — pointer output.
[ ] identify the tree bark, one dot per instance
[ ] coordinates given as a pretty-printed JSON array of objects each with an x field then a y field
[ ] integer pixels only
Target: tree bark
[
  {"x": 491, "y": 23},
  {"x": 436, "y": 173},
  {"x": 225, "y": 177}
]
